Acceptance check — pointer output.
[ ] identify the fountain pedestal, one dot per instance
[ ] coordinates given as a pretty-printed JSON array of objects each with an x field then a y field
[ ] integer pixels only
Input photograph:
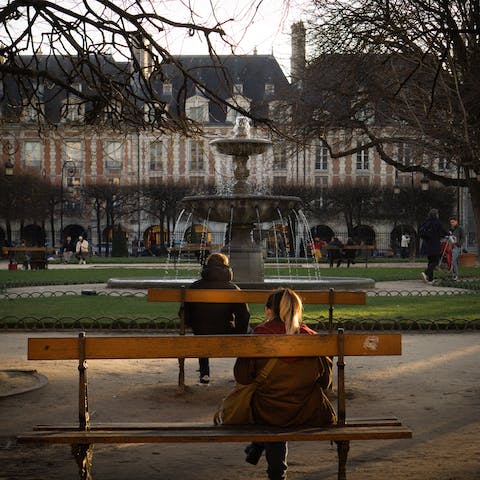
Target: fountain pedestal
[{"x": 245, "y": 255}]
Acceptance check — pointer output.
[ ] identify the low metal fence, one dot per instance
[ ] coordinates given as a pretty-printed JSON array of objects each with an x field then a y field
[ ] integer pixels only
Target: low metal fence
[{"x": 10, "y": 321}]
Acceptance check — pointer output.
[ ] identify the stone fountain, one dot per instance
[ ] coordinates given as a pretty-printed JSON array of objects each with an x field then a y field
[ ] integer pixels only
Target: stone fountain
[{"x": 241, "y": 210}]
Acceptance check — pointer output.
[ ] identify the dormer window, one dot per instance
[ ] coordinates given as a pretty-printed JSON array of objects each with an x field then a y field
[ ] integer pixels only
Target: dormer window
[
  {"x": 197, "y": 109},
  {"x": 269, "y": 89},
  {"x": 238, "y": 89},
  {"x": 167, "y": 89},
  {"x": 73, "y": 109}
]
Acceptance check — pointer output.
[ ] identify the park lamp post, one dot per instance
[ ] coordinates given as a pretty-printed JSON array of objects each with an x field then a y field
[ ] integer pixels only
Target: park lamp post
[
  {"x": 424, "y": 184},
  {"x": 396, "y": 186},
  {"x": 71, "y": 168},
  {"x": 8, "y": 169}
]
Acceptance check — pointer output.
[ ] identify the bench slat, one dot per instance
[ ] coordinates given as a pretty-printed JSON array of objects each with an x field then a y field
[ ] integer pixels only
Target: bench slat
[
  {"x": 218, "y": 434},
  {"x": 351, "y": 422},
  {"x": 252, "y": 296},
  {"x": 215, "y": 346}
]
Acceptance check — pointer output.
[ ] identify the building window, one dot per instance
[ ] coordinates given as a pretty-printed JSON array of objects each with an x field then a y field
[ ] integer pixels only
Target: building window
[
  {"x": 196, "y": 156},
  {"x": 73, "y": 110},
  {"x": 321, "y": 156},
  {"x": 167, "y": 89},
  {"x": 405, "y": 154},
  {"x": 73, "y": 152},
  {"x": 444, "y": 164},
  {"x": 32, "y": 154},
  {"x": 156, "y": 156},
  {"x": 198, "y": 113},
  {"x": 280, "y": 157},
  {"x": 112, "y": 152},
  {"x": 73, "y": 107},
  {"x": 269, "y": 89},
  {"x": 362, "y": 158},
  {"x": 238, "y": 89}
]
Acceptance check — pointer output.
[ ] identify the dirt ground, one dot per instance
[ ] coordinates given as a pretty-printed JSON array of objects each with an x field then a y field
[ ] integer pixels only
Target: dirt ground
[{"x": 434, "y": 388}]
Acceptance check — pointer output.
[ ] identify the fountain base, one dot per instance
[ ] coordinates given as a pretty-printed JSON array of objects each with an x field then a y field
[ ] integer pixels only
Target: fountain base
[{"x": 324, "y": 283}]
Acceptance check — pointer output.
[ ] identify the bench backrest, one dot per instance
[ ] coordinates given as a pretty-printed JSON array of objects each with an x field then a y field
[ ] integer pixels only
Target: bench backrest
[
  {"x": 329, "y": 297},
  {"x": 216, "y": 346},
  {"x": 320, "y": 297}
]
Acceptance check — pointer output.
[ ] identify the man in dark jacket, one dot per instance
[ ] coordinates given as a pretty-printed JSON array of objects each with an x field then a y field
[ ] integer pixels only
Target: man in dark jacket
[
  {"x": 431, "y": 231},
  {"x": 215, "y": 318}
]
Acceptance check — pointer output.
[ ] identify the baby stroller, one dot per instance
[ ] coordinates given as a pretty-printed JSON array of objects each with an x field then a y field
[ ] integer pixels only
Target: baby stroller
[{"x": 446, "y": 253}]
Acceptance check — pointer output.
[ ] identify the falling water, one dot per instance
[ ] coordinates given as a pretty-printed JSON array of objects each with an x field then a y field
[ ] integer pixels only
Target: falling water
[
  {"x": 203, "y": 243},
  {"x": 230, "y": 228},
  {"x": 285, "y": 242},
  {"x": 174, "y": 238},
  {"x": 308, "y": 240},
  {"x": 182, "y": 236}
]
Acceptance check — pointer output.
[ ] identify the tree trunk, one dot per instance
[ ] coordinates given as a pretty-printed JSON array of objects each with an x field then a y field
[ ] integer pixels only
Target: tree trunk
[{"x": 474, "y": 189}]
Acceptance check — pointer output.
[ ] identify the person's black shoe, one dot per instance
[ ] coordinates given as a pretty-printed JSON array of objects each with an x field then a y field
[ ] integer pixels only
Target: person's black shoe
[{"x": 254, "y": 452}]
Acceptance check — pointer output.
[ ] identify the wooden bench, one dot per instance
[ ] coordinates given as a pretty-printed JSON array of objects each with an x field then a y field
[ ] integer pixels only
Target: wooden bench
[
  {"x": 84, "y": 435},
  {"x": 367, "y": 250},
  {"x": 34, "y": 257},
  {"x": 329, "y": 297}
]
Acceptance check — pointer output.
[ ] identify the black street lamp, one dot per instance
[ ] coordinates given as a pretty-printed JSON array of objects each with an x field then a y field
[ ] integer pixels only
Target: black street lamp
[
  {"x": 71, "y": 170},
  {"x": 8, "y": 169},
  {"x": 424, "y": 184},
  {"x": 396, "y": 186}
]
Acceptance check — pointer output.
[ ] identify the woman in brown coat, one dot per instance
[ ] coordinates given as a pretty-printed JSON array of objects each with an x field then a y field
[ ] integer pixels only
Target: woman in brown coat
[{"x": 293, "y": 391}]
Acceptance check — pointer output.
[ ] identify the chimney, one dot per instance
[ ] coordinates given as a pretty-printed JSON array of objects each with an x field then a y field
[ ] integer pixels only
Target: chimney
[
  {"x": 143, "y": 54},
  {"x": 297, "y": 60}
]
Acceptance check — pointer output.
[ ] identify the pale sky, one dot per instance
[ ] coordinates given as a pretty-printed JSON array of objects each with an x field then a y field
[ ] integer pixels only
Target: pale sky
[{"x": 263, "y": 25}]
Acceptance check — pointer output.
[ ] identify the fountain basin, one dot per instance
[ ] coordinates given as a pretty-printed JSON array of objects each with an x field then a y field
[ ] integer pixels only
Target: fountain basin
[
  {"x": 246, "y": 208},
  {"x": 324, "y": 283},
  {"x": 241, "y": 147}
]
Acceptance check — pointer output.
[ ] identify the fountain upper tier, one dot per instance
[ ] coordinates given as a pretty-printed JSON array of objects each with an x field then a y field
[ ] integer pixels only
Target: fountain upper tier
[
  {"x": 241, "y": 146},
  {"x": 241, "y": 208}
]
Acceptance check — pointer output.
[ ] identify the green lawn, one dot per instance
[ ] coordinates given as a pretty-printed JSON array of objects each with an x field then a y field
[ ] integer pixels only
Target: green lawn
[
  {"x": 127, "y": 311},
  {"x": 104, "y": 310},
  {"x": 101, "y": 274}
]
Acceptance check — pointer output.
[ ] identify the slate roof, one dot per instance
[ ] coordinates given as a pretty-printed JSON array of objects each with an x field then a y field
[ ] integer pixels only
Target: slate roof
[{"x": 219, "y": 75}]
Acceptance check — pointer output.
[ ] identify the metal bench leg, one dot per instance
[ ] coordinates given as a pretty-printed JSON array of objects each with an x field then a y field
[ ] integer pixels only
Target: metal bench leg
[
  {"x": 181, "y": 373},
  {"x": 342, "y": 450},
  {"x": 83, "y": 456}
]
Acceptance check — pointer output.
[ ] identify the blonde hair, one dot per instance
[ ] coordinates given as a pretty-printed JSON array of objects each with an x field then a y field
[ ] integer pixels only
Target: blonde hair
[{"x": 288, "y": 307}]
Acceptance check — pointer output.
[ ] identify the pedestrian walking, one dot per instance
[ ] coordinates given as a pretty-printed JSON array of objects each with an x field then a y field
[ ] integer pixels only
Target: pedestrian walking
[{"x": 431, "y": 232}]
